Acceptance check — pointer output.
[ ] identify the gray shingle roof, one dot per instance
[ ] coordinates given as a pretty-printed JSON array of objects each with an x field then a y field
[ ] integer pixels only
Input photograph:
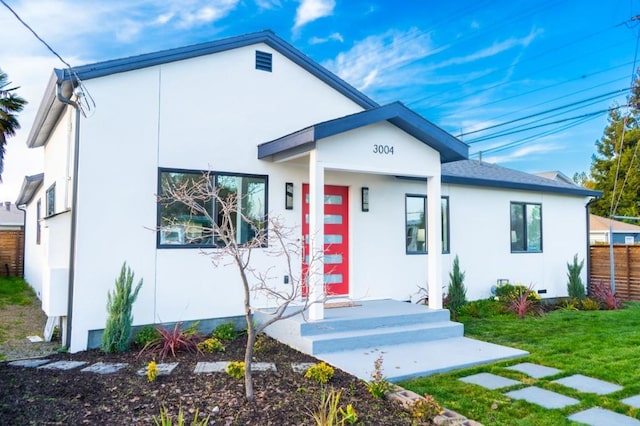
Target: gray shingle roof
[{"x": 477, "y": 173}]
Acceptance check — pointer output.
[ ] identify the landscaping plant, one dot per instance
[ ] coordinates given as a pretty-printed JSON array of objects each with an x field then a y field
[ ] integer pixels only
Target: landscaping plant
[
  {"x": 117, "y": 332},
  {"x": 146, "y": 335},
  {"x": 456, "y": 293},
  {"x": 152, "y": 371},
  {"x": 603, "y": 294},
  {"x": 172, "y": 341},
  {"x": 270, "y": 236},
  {"x": 379, "y": 385},
  {"x": 523, "y": 303},
  {"x": 225, "y": 331},
  {"x": 575, "y": 287},
  {"x": 326, "y": 413},
  {"x": 425, "y": 409},
  {"x": 211, "y": 345},
  {"x": 321, "y": 372},
  {"x": 165, "y": 419},
  {"x": 235, "y": 369}
]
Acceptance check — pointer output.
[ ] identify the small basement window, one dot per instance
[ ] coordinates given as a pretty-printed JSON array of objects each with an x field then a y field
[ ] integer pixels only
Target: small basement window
[{"x": 264, "y": 61}]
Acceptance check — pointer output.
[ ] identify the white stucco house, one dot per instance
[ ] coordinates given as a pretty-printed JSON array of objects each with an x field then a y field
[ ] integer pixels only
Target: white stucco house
[{"x": 402, "y": 196}]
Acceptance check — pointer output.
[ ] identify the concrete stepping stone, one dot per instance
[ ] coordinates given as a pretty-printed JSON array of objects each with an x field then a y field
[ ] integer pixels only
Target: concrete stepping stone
[
  {"x": 301, "y": 367},
  {"x": 63, "y": 365},
  {"x": 542, "y": 397},
  {"x": 588, "y": 384},
  {"x": 534, "y": 370},
  {"x": 104, "y": 368},
  {"x": 221, "y": 367},
  {"x": 489, "y": 381},
  {"x": 29, "y": 363},
  {"x": 633, "y": 401},
  {"x": 163, "y": 369},
  {"x": 602, "y": 417}
]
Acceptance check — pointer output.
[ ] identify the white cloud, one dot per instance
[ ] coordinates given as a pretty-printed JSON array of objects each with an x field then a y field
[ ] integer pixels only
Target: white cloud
[
  {"x": 376, "y": 61},
  {"x": 523, "y": 153},
  {"x": 268, "y": 4},
  {"x": 493, "y": 50},
  {"x": 310, "y": 10},
  {"x": 331, "y": 37}
]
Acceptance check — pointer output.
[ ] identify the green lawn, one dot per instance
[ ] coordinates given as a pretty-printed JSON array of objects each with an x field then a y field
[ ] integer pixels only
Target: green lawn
[
  {"x": 600, "y": 344},
  {"x": 15, "y": 291}
]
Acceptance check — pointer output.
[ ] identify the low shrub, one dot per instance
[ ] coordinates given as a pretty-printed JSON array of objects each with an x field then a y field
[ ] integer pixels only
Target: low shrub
[
  {"x": 425, "y": 409},
  {"x": 211, "y": 345},
  {"x": 226, "y": 332},
  {"x": 602, "y": 293},
  {"x": 588, "y": 304},
  {"x": 235, "y": 369},
  {"x": 508, "y": 292},
  {"x": 349, "y": 416},
  {"x": 321, "y": 372},
  {"x": 484, "y": 308},
  {"x": 326, "y": 413},
  {"x": 146, "y": 335}
]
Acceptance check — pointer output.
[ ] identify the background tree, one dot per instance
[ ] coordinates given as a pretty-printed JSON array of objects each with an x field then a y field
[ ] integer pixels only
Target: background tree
[
  {"x": 615, "y": 167},
  {"x": 274, "y": 240},
  {"x": 10, "y": 105}
]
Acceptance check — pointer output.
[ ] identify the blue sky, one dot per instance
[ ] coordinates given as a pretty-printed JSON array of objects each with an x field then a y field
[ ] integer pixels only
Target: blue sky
[{"x": 464, "y": 65}]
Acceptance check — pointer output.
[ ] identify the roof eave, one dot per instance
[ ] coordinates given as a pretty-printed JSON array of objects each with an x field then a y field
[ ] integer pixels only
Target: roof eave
[
  {"x": 461, "y": 180},
  {"x": 30, "y": 186}
]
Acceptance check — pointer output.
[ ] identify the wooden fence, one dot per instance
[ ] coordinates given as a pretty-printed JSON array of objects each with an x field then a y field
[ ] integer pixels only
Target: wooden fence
[{"x": 626, "y": 260}]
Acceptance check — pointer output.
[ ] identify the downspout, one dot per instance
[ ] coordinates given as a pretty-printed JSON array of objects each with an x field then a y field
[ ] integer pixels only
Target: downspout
[
  {"x": 588, "y": 256},
  {"x": 74, "y": 211},
  {"x": 24, "y": 234}
]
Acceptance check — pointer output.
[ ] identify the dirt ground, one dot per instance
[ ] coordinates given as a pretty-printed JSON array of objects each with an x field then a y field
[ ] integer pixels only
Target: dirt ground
[{"x": 48, "y": 397}]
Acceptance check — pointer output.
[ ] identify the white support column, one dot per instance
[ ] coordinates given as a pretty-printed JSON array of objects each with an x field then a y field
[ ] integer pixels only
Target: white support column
[
  {"x": 316, "y": 237},
  {"x": 434, "y": 242}
]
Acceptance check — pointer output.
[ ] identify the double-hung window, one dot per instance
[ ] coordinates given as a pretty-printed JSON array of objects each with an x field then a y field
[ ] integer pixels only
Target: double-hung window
[
  {"x": 416, "y": 223},
  {"x": 526, "y": 227},
  {"x": 195, "y": 206}
]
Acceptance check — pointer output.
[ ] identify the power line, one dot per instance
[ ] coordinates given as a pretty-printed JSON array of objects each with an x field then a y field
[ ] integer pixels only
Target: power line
[
  {"x": 35, "y": 34},
  {"x": 615, "y": 92}
]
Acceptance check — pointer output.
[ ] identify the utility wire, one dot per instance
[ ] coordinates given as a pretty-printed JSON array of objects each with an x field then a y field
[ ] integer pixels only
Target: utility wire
[
  {"x": 35, "y": 34},
  {"x": 615, "y": 92}
]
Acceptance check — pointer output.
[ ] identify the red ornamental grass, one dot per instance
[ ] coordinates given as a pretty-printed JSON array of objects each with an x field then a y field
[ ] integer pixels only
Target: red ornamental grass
[{"x": 172, "y": 341}]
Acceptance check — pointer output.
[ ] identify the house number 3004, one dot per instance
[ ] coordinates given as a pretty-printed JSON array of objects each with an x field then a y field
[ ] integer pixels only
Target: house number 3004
[{"x": 383, "y": 149}]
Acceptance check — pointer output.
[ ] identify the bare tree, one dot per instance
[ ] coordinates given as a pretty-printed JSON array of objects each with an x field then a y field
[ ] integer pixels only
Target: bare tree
[{"x": 270, "y": 236}]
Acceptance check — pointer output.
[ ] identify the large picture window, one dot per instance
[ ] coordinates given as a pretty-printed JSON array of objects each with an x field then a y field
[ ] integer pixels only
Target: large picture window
[
  {"x": 416, "y": 223},
  {"x": 193, "y": 225},
  {"x": 526, "y": 228}
]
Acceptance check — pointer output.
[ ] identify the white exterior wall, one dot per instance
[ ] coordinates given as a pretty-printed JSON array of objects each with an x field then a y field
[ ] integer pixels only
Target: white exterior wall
[
  {"x": 480, "y": 236},
  {"x": 211, "y": 113},
  {"x": 34, "y": 254},
  {"x": 204, "y": 113}
]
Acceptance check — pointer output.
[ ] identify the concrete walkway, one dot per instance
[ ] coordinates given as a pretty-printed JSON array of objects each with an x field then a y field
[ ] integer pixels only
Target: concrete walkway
[{"x": 410, "y": 360}]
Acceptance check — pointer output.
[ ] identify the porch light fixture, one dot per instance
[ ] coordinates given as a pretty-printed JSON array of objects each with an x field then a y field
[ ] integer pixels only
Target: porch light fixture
[
  {"x": 288, "y": 196},
  {"x": 365, "y": 199}
]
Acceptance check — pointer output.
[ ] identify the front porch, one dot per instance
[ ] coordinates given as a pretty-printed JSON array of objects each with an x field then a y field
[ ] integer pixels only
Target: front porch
[{"x": 413, "y": 340}]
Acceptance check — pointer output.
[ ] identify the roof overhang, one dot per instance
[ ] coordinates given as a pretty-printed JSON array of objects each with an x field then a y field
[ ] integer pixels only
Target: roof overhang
[
  {"x": 51, "y": 109},
  {"x": 449, "y": 147},
  {"x": 30, "y": 186},
  {"x": 525, "y": 186}
]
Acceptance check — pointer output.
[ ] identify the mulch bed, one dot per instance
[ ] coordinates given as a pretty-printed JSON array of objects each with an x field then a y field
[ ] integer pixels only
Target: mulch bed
[{"x": 48, "y": 397}]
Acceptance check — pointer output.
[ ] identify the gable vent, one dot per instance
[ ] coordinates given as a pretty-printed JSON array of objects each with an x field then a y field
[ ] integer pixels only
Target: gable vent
[{"x": 263, "y": 61}]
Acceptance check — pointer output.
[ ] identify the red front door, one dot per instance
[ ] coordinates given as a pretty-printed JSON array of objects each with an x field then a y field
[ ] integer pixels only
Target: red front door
[{"x": 336, "y": 238}]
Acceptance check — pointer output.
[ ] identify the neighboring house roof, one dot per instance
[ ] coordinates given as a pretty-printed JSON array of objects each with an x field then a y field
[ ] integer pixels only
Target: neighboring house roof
[
  {"x": 10, "y": 215},
  {"x": 449, "y": 147},
  {"x": 50, "y": 108},
  {"x": 556, "y": 175},
  {"x": 30, "y": 186},
  {"x": 478, "y": 173},
  {"x": 602, "y": 224}
]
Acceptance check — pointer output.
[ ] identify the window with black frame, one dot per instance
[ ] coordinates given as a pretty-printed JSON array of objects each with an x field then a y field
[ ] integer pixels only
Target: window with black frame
[
  {"x": 526, "y": 227},
  {"x": 191, "y": 204},
  {"x": 416, "y": 224}
]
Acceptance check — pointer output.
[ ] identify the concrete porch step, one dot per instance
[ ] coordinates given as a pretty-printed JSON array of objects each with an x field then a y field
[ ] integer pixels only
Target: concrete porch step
[
  {"x": 352, "y": 323},
  {"x": 382, "y": 335}
]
